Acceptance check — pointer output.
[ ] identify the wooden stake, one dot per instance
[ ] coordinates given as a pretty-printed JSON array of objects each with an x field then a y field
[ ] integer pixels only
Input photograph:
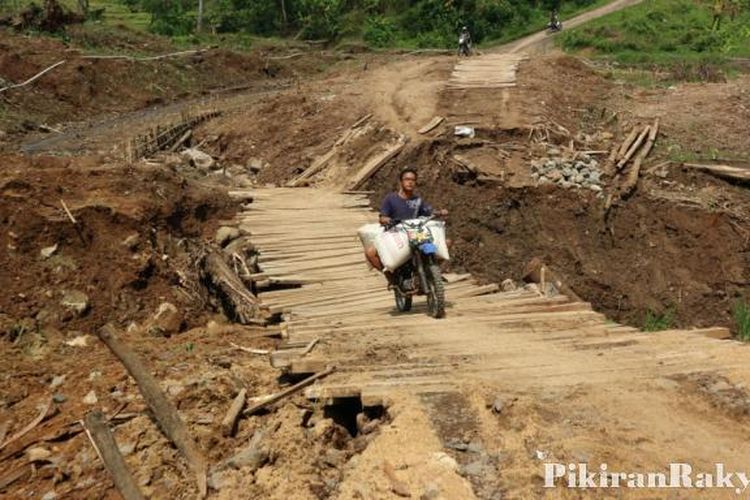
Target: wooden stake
[
  {"x": 164, "y": 411},
  {"x": 106, "y": 447},
  {"x": 229, "y": 424}
]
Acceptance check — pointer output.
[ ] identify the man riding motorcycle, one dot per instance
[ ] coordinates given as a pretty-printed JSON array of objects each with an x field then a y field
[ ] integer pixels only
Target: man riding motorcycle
[
  {"x": 464, "y": 42},
  {"x": 401, "y": 205},
  {"x": 554, "y": 21}
]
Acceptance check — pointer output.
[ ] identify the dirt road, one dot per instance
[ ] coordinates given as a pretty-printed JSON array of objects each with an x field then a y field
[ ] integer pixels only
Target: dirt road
[{"x": 570, "y": 385}]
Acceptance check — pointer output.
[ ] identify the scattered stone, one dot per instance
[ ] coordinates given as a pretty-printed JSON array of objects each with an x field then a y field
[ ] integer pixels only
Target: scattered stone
[
  {"x": 76, "y": 301},
  {"x": 508, "y": 285},
  {"x": 59, "y": 398},
  {"x": 48, "y": 252},
  {"x": 166, "y": 321},
  {"x": 334, "y": 458},
  {"x": 431, "y": 492},
  {"x": 215, "y": 480},
  {"x": 94, "y": 374},
  {"x": 226, "y": 234},
  {"x": 198, "y": 158},
  {"x": 57, "y": 381},
  {"x": 475, "y": 468},
  {"x": 132, "y": 241},
  {"x": 126, "y": 448},
  {"x": 38, "y": 454},
  {"x": 50, "y": 495},
  {"x": 80, "y": 341},
  {"x": 446, "y": 460},
  {"x": 498, "y": 405},
  {"x": 90, "y": 398},
  {"x": 475, "y": 447},
  {"x": 595, "y": 188}
]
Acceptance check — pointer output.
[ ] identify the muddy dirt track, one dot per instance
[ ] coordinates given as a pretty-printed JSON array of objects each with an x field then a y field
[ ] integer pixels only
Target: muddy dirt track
[{"x": 470, "y": 406}]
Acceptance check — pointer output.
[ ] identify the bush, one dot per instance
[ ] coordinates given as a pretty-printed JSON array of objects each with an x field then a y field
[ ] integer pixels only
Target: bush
[
  {"x": 320, "y": 18},
  {"x": 654, "y": 322},
  {"x": 742, "y": 320},
  {"x": 379, "y": 31}
]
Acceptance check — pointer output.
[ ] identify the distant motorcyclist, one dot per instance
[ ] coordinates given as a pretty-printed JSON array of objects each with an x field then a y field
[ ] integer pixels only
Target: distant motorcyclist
[
  {"x": 554, "y": 21},
  {"x": 464, "y": 42}
]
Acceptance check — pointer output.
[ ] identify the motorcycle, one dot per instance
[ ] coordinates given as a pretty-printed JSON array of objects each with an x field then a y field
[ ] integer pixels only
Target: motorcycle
[
  {"x": 555, "y": 26},
  {"x": 420, "y": 274},
  {"x": 464, "y": 46}
]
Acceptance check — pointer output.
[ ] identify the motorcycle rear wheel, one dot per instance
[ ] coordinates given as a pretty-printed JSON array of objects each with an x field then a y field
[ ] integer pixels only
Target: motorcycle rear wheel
[{"x": 436, "y": 293}]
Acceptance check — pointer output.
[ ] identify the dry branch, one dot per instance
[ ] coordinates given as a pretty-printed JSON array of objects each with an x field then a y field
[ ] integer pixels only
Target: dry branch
[
  {"x": 229, "y": 424},
  {"x": 150, "y": 58},
  {"x": 106, "y": 447},
  {"x": 30, "y": 426},
  {"x": 164, "y": 411},
  {"x": 238, "y": 301},
  {"x": 33, "y": 77}
]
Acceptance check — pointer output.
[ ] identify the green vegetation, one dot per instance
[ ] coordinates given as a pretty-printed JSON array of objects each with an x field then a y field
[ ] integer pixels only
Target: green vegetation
[
  {"x": 654, "y": 322},
  {"x": 380, "y": 23},
  {"x": 683, "y": 35},
  {"x": 742, "y": 320}
]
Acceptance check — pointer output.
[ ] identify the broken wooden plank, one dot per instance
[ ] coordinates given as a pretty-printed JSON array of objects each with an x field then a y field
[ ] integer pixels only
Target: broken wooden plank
[
  {"x": 289, "y": 391},
  {"x": 455, "y": 278},
  {"x": 432, "y": 124},
  {"x": 106, "y": 447},
  {"x": 374, "y": 164},
  {"x": 229, "y": 424},
  {"x": 263, "y": 352},
  {"x": 164, "y": 411}
]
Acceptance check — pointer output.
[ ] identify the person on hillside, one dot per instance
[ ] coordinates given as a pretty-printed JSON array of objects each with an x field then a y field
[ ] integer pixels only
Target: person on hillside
[
  {"x": 401, "y": 205},
  {"x": 718, "y": 12}
]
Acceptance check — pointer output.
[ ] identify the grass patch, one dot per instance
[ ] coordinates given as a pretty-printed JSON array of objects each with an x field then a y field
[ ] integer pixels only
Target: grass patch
[
  {"x": 742, "y": 320},
  {"x": 675, "y": 36},
  {"x": 655, "y": 322}
]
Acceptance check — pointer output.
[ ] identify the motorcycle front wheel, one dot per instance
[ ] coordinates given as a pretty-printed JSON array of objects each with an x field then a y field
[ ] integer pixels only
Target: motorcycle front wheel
[
  {"x": 436, "y": 293},
  {"x": 403, "y": 302}
]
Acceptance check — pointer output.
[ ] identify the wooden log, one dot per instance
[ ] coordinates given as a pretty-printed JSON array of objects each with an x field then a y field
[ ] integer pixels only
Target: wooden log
[
  {"x": 636, "y": 144},
  {"x": 631, "y": 179},
  {"x": 106, "y": 447},
  {"x": 181, "y": 140},
  {"x": 238, "y": 302},
  {"x": 625, "y": 146},
  {"x": 725, "y": 171},
  {"x": 289, "y": 391},
  {"x": 164, "y": 411},
  {"x": 229, "y": 424}
]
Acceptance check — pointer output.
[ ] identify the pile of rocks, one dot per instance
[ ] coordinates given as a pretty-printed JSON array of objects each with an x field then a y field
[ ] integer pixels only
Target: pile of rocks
[{"x": 581, "y": 172}]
